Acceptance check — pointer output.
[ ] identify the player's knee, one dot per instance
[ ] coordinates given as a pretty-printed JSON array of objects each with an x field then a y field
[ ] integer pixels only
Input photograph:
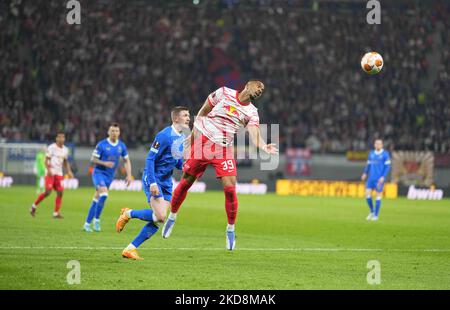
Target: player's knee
[
  {"x": 189, "y": 178},
  {"x": 160, "y": 218},
  {"x": 47, "y": 193}
]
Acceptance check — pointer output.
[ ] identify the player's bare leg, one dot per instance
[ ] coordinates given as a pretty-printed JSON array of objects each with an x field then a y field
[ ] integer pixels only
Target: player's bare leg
[
  {"x": 38, "y": 200},
  {"x": 155, "y": 217},
  {"x": 179, "y": 195},
  {"x": 87, "y": 224},
  {"x": 370, "y": 204},
  {"x": 58, "y": 200},
  {"x": 231, "y": 206}
]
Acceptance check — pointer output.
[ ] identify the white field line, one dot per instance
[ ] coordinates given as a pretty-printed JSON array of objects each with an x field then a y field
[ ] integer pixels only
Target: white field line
[{"x": 326, "y": 250}]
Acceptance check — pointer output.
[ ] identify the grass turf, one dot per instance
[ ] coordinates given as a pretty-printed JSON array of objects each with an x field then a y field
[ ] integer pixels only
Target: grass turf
[{"x": 282, "y": 243}]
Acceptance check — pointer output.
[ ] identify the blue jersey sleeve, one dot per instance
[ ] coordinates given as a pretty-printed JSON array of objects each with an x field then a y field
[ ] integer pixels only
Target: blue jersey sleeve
[
  {"x": 98, "y": 151},
  {"x": 179, "y": 164},
  {"x": 124, "y": 151},
  {"x": 157, "y": 148},
  {"x": 386, "y": 165}
]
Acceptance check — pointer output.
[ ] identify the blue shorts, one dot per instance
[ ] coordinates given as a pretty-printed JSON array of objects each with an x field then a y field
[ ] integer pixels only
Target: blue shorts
[
  {"x": 373, "y": 184},
  {"x": 101, "y": 180},
  {"x": 165, "y": 189}
]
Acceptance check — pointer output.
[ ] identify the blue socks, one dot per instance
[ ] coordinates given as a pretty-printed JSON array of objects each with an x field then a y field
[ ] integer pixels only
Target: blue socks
[
  {"x": 377, "y": 206},
  {"x": 91, "y": 212},
  {"x": 145, "y": 215},
  {"x": 147, "y": 231},
  {"x": 100, "y": 205},
  {"x": 370, "y": 203},
  {"x": 96, "y": 208}
]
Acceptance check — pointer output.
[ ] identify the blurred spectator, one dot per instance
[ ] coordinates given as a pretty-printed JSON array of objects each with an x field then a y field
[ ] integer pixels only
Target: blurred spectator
[{"x": 130, "y": 62}]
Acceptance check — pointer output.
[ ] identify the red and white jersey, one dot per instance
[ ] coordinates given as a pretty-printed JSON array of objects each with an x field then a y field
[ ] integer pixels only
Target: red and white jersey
[
  {"x": 57, "y": 155},
  {"x": 227, "y": 116}
]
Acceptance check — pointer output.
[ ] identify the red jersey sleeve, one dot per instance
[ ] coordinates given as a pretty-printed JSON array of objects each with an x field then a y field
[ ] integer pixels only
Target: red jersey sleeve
[{"x": 214, "y": 97}]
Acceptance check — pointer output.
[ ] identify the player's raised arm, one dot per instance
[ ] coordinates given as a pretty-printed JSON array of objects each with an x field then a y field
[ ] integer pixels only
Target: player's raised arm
[{"x": 258, "y": 141}]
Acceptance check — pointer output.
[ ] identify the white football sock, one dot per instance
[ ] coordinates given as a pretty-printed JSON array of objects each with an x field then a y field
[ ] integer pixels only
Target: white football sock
[
  {"x": 230, "y": 227},
  {"x": 172, "y": 216},
  {"x": 130, "y": 247},
  {"x": 128, "y": 213}
]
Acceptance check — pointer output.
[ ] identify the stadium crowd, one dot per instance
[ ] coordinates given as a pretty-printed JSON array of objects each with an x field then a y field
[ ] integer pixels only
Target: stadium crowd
[{"x": 130, "y": 62}]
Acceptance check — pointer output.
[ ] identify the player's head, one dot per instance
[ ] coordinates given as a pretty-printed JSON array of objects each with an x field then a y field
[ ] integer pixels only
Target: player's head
[
  {"x": 378, "y": 144},
  {"x": 180, "y": 116},
  {"x": 60, "y": 138},
  {"x": 114, "y": 131},
  {"x": 254, "y": 88}
]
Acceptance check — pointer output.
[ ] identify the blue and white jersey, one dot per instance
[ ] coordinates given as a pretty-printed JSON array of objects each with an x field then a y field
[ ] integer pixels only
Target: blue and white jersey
[
  {"x": 166, "y": 153},
  {"x": 108, "y": 151},
  {"x": 378, "y": 164}
]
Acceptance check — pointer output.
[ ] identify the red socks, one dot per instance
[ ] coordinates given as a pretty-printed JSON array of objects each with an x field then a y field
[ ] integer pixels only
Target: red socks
[
  {"x": 58, "y": 203},
  {"x": 179, "y": 194},
  {"x": 231, "y": 203},
  {"x": 39, "y": 199}
]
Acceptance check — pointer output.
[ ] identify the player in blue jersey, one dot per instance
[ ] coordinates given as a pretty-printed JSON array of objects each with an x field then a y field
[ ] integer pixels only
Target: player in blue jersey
[
  {"x": 106, "y": 158},
  {"x": 376, "y": 172},
  {"x": 166, "y": 153}
]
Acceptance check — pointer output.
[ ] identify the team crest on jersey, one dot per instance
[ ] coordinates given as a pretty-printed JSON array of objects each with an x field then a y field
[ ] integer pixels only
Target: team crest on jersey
[
  {"x": 156, "y": 145},
  {"x": 120, "y": 149},
  {"x": 232, "y": 111}
]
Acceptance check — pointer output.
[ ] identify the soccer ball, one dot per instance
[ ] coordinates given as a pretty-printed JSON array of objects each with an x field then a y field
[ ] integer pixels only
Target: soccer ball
[{"x": 372, "y": 63}]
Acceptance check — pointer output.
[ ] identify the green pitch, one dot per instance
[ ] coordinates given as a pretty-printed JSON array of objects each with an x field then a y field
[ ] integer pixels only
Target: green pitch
[{"x": 282, "y": 243}]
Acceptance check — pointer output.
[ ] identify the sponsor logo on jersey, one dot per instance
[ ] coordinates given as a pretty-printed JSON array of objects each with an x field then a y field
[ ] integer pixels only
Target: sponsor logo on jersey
[{"x": 232, "y": 111}]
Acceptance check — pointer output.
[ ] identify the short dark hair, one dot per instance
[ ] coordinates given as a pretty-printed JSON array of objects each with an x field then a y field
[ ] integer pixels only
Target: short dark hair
[
  {"x": 114, "y": 125},
  {"x": 176, "y": 110},
  {"x": 255, "y": 80},
  {"x": 59, "y": 132}
]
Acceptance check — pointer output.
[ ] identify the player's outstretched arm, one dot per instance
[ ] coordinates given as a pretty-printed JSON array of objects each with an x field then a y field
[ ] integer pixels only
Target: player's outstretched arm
[{"x": 258, "y": 141}]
